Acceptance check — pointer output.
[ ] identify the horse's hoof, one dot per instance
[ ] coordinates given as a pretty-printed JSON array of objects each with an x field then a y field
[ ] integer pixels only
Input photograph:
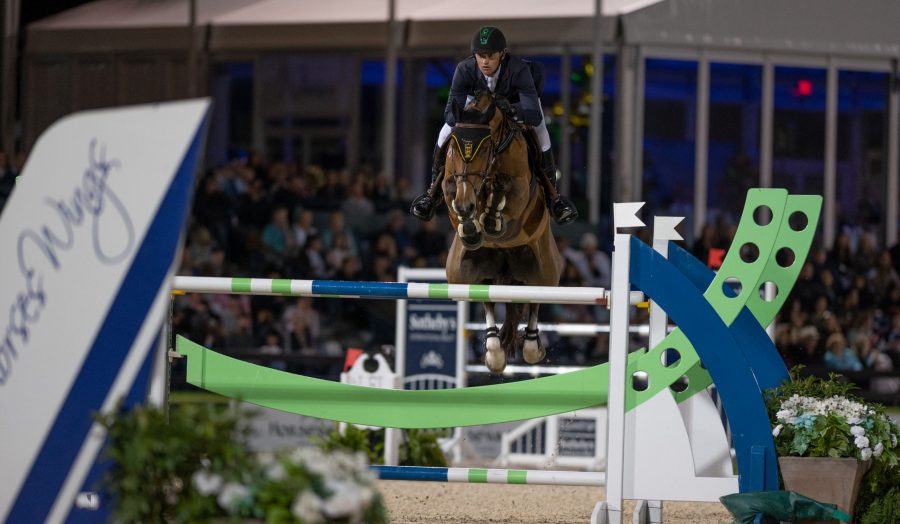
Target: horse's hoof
[
  {"x": 472, "y": 243},
  {"x": 533, "y": 352},
  {"x": 495, "y": 361},
  {"x": 494, "y": 225}
]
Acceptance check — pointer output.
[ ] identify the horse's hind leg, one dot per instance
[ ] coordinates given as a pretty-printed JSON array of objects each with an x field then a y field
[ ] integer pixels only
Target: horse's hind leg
[
  {"x": 533, "y": 352},
  {"x": 495, "y": 357}
]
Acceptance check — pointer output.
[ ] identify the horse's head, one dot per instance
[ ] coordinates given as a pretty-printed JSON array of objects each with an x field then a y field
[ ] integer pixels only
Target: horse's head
[{"x": 472, "y": 187}]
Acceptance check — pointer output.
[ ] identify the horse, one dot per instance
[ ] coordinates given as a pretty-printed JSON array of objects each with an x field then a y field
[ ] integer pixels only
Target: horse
[{"x": 502, "y": 226}]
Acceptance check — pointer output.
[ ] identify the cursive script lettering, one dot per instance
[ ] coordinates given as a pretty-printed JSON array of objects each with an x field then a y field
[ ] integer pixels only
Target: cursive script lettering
[{"x": 40, "y": 249}]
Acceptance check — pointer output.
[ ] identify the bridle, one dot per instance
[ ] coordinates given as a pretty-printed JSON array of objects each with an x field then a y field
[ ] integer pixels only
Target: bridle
[{"x": 469, "y": 151}]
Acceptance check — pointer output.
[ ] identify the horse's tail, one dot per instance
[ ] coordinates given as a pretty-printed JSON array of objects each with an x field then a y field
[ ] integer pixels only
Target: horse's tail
[{"x": 510, "y": 328}]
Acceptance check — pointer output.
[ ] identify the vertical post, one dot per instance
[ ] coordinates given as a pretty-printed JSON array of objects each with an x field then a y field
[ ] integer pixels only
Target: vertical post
[
  {"x": 830, "y": 181},
  {"x": 192, "y": 50},
  {"x": 623, "y": 216},
  {"x": 701, "y": 142},
  {"x": 637, "y": 185},
  {"x": 892, "y": 193},
  {"x": 390, "y": 92},
  {"x": 565, "y": 136},
  {"x": 624, "y": 124},
  {"x": 766, "y": 120},
  {"x": 10, "y": 50},
  {"x": 595, "y": 136}
]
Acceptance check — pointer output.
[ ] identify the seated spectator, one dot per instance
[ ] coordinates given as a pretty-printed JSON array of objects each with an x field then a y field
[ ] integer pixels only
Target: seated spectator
[
  {"x": 272, "y": 346},
  {"x": 278, "y": 238},
  {"x": 242, "y": 336},
  {"x": 357, "y": 206},
  {"x": 303, "y": 325},
  {"x": 428, "y": 242},
  {"x": 336, "y": 225},
  {"x": 839, "y": 355},
  {"x": 303, "y": 226}
]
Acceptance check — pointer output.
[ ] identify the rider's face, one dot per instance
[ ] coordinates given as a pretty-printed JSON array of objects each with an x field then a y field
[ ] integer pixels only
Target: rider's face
[{"x": 489, "y": 62}]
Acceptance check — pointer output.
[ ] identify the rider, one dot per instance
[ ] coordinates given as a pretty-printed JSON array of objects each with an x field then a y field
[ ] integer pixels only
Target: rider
[{"x": 492, "y": 67}]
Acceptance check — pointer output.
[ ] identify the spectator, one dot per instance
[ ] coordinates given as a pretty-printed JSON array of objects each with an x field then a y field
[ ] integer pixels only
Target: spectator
[
  {"x": 303, "y": 325},
  {"x": 839, "y": 356}
]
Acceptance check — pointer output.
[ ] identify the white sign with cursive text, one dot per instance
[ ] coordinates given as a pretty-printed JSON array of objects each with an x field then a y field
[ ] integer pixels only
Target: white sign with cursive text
[{"x": 88, "y": 238}]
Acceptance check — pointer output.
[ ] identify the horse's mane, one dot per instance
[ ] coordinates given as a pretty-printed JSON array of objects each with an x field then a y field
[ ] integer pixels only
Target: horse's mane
[{"x": 472, "y": 115}]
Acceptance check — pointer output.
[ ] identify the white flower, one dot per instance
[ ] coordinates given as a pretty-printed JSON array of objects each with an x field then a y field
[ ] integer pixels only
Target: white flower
[
  {"x": 275, "y": 471},
  {"x": 306, "y": 508},
  {"x": 865, "y": 454},
  {"x": 893, "y": 440},
  {"x": 878, "y": 449},
  {"x": 347, "y": 499},
  {"x": 861, "y": 442},
  {"x": 858, "y": 431},
  {"x": 207, "y": 483},
  {"x": 777, "y": 430},
  {"x": 232, "y": 494},
  {"x": 853, "y": 419},
  {"x": 785, "y": 415}
]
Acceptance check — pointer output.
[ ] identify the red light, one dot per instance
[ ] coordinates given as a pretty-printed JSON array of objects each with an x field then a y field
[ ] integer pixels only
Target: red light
[{"x": 803, "y": 88}]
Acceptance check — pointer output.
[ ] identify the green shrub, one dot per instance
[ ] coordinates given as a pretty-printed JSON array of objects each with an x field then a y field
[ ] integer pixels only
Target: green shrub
[{"x": 418, "y": 448}]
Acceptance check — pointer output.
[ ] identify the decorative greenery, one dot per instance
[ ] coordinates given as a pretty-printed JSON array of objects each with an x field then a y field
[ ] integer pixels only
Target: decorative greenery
[
  {"x": 418, "y": 448},
  {"x": 813, "y": 417},
  {"x": 884, "y": 509},
  {"x": 196, "y": 467}
]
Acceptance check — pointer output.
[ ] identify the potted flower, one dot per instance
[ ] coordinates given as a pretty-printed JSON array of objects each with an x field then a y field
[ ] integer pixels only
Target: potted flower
[
  {"x": 827, "y": 439},
  {"x": 192, "y": 464}
]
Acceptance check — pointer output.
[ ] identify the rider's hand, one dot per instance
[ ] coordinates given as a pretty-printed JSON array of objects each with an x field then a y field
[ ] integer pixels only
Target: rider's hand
[{"x": 503, "y": 104}]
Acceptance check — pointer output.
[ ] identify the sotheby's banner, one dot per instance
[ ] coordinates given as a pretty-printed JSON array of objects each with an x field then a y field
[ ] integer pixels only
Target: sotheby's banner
[{"x": 87, "y": 244}]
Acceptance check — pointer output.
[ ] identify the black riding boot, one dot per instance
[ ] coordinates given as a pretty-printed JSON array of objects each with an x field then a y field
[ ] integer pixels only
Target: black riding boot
[
  {"x": 424, "y": 205},
  {"x": 561, "y": 209}
]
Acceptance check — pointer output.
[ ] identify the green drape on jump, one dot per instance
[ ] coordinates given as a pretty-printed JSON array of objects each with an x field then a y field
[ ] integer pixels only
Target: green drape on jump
[{"x": 396, "y": 408}]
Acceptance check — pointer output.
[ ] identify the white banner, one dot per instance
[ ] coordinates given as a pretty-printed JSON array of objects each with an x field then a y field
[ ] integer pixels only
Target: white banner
[{"x": 88, "y": 238}]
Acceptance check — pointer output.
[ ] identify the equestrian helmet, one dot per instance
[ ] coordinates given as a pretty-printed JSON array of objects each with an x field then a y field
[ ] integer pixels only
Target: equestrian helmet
[{"x": 488, "y": 39}]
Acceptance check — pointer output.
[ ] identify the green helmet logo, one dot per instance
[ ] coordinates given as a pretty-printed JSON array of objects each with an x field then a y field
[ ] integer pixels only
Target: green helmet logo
[
  {"x": 488, "y": 39},
  {"x": 485, "y": 34}
]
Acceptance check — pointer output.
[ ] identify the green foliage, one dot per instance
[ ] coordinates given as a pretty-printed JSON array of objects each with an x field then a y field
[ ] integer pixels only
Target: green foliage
[
  {"x": 813, "y": 417},
  {"x": 153, "y": 457},
  {"x": 418, "y": 447},
  {"x": 884, "y": 509},
  {"x": 370, "y": 442},
  {"x": 421, "y": 448},
  {"x": 194, "y": 466}
]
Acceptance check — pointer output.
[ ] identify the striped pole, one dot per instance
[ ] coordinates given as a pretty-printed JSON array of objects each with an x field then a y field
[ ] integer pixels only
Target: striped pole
[
  {"x": 491, "y": 476},
  {"x": 396, "y": 290}
]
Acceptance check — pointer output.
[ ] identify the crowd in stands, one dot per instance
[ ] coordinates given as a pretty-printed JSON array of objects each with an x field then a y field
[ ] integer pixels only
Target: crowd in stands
[{"x": 281, "y": 221}]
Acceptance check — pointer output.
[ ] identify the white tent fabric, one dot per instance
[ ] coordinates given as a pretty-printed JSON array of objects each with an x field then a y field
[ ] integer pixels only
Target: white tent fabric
[
  {"x": 124, "y": 25},
  {"x": 837, "y": 27}
]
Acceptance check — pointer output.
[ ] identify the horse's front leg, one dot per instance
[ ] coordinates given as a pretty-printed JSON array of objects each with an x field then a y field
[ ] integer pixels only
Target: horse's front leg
[
  {"x": 532, "y": 351},
  {"x": 495, "y": 357},
  {"x": 492, "y": 220}
]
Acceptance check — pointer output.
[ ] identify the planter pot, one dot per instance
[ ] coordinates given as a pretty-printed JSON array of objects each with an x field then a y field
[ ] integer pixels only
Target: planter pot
[{"x": 832, "y": 480}]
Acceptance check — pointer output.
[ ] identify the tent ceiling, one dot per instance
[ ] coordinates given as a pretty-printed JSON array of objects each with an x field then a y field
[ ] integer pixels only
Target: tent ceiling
[{"x": 839, "y": 27}]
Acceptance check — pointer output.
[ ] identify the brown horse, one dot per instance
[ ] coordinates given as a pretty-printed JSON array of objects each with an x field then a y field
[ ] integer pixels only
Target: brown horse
[{"x": 502, "y": 225}]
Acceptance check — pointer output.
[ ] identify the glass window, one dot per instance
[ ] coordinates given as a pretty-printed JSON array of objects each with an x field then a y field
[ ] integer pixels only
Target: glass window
[
  {"x": 861, "y": 166},
  {"x": 798, "y": 133},
  {"x": 670, "y": 92},
  {"x": 733, "y": 157}
]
